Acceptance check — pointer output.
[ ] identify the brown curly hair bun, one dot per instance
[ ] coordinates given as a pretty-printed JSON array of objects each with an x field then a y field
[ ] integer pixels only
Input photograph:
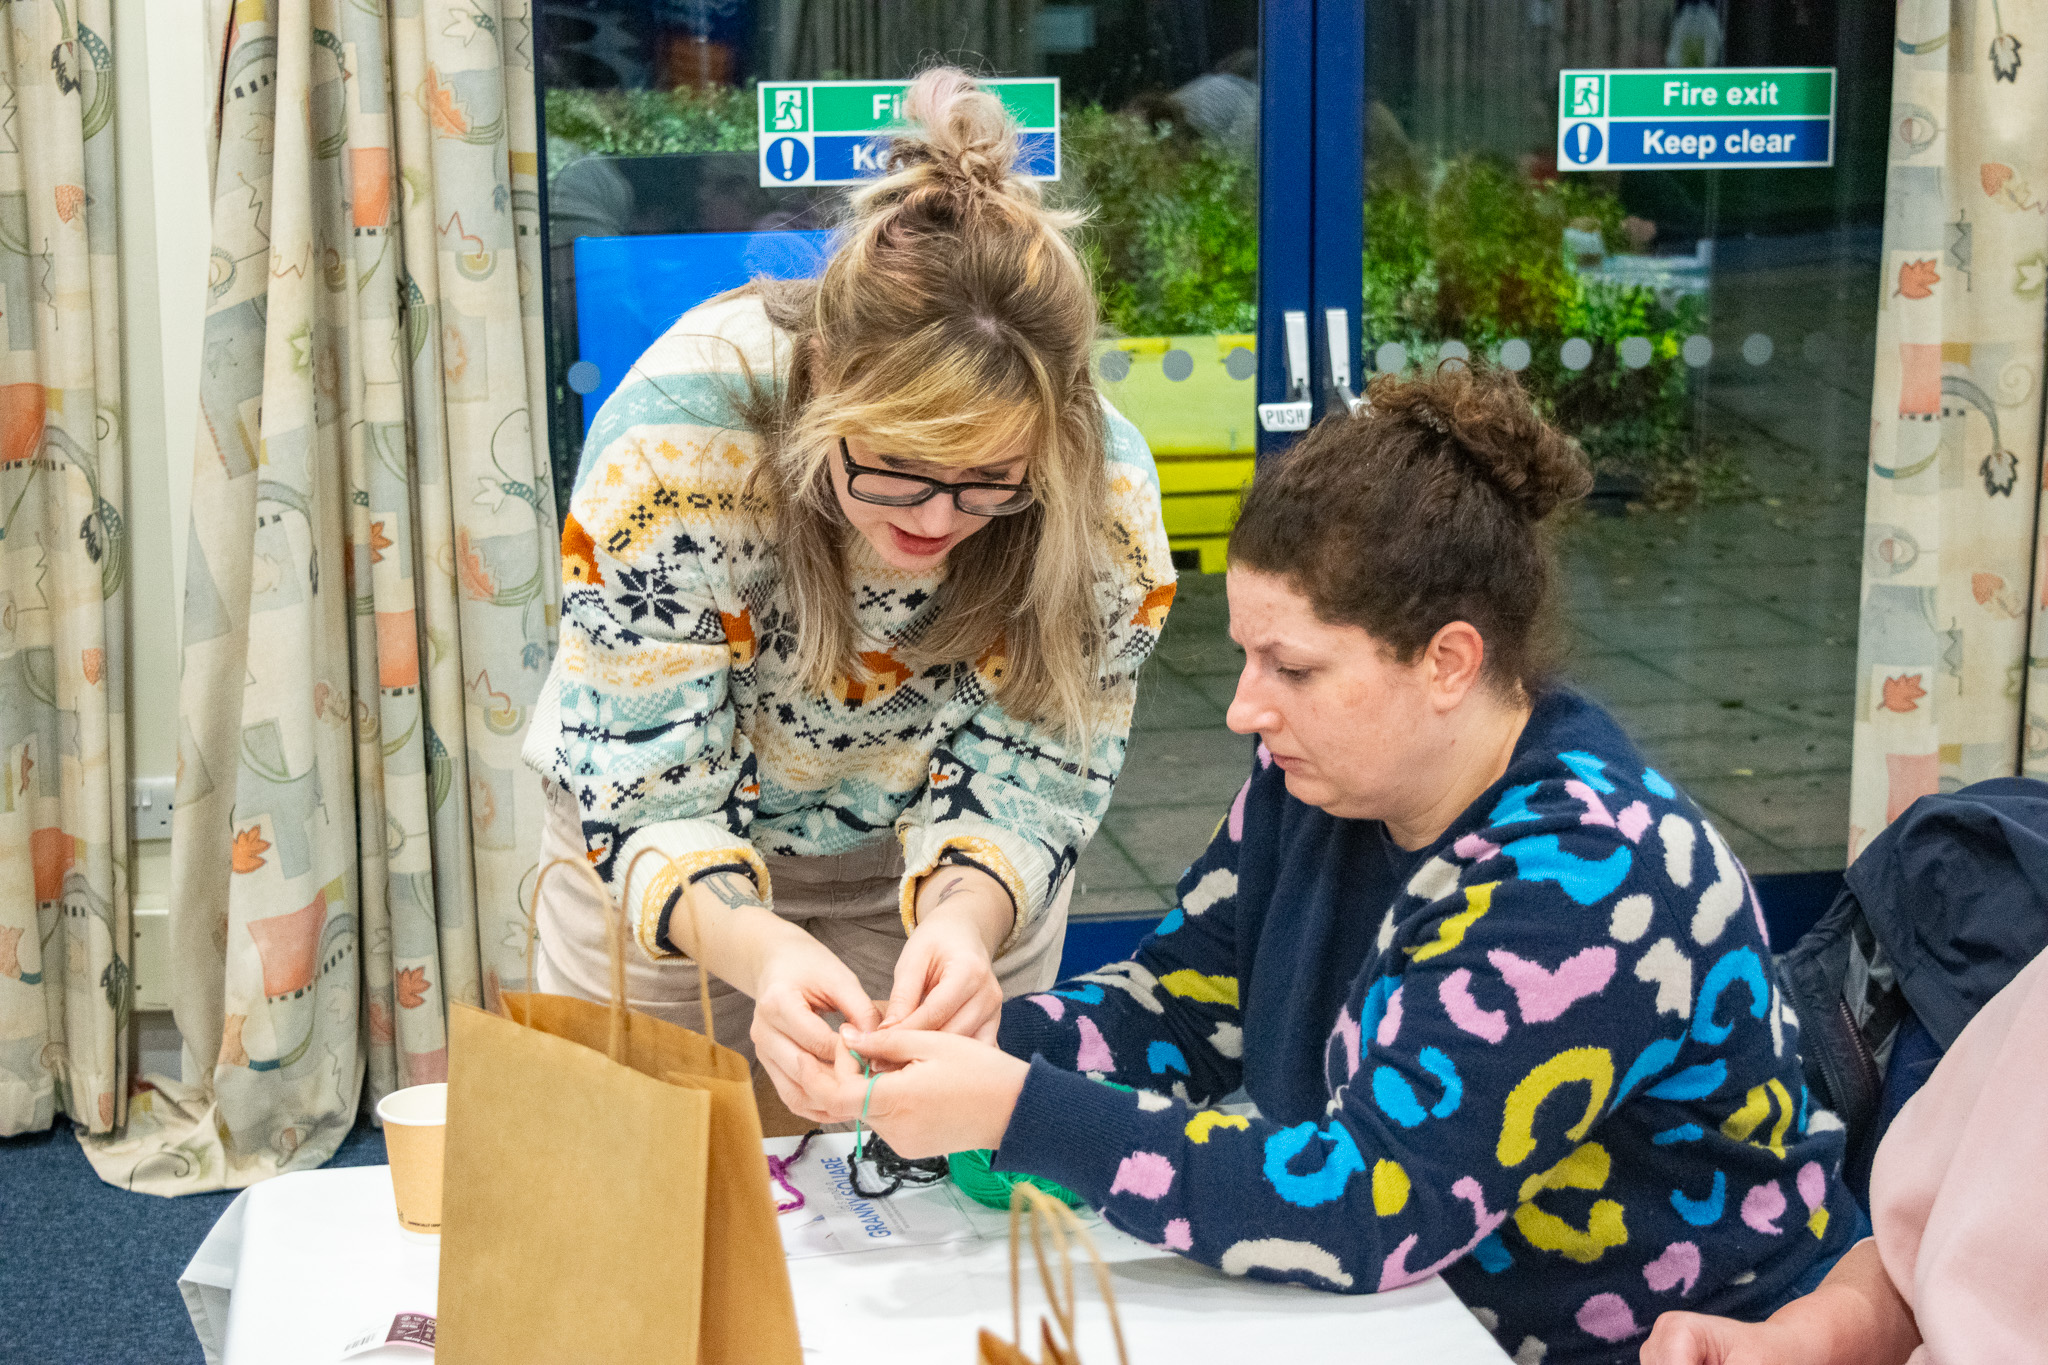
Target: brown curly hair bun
[{"x": 1421, "y": 509}]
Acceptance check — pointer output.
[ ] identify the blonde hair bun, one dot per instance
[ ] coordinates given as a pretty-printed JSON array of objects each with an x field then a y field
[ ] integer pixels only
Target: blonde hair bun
[
  {"x": 953, "y": 326},
  {"x": 960, "y": 149}
]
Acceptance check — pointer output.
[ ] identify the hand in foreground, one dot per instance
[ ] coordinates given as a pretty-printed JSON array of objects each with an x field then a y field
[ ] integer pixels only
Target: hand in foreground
[
  {"x": 934, "y": 1093},
  {"x": 945, "y": 980},
  {"x": 1696, "y": 1339},
  {"x": 1856, "y": 1317},
  {"x": 797, "y": 983}
]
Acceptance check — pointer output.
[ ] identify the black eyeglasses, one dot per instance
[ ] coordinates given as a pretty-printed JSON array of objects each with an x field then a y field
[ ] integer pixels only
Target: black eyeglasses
[{"x": 887, "y": 488}]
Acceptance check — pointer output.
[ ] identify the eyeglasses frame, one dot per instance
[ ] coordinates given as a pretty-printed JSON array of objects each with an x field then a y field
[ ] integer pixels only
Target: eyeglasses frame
[{"x": 933, "y": 487}]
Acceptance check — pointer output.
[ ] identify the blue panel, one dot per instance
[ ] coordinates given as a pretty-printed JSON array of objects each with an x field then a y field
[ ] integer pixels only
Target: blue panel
[
  {"x": 1793, "y": 903},
  {"x": 1286, "y": 120},
  {"x": 1719, "y": 142},
  {"x": 1338, "y": 261},
  {"x": 630, "y": 289},
  {"x": 1038, "y": 154},
  {"x": 859, "y": 156},
  {"x": 1093, "y": 942},
  {"x": 849, "y": 156}
]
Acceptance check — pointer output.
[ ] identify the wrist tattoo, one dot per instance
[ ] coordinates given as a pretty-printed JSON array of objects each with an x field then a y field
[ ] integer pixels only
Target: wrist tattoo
[
  {"x": 945, "y": 892},
  {"x": 734, "y": 890}
]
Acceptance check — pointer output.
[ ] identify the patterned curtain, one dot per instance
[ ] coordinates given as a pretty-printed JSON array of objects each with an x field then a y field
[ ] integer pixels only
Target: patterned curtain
[
  {"x": 63, "y": 728},
  {"x": 1946, "y": 690},
  {"x": 371, "y": 586}
]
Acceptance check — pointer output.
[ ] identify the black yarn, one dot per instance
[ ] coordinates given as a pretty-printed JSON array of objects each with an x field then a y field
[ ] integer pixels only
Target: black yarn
[{"x": 898, "y": 1171}]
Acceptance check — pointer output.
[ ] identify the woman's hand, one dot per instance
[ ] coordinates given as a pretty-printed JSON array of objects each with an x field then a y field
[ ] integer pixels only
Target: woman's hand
[
  {"x": 798, "y": 981},
  {"x": 792, "y": 978},
  {"x": 1856, "y": 1317},
  {"x": 1696, "y": 1339},
  {"x": 945, "y": 979},
  {"x": 933, "y": 1093}
]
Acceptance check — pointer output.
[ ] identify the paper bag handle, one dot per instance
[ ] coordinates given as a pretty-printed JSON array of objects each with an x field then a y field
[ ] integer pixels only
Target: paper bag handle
[
  {"x": 1041, "y": 1210},
  {"x": 615, "y": 1043},
  {"x": 689, "y": 909}
]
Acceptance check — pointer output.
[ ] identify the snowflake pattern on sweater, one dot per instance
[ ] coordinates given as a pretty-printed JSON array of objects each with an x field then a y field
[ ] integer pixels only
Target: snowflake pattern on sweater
[
  {"x": 1547, "y": 1057},
  {"x": 674, "y": 715}
]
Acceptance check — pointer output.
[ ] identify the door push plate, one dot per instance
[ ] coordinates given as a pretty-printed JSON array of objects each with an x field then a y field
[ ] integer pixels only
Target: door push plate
[{"x": 1284, "y": 416}]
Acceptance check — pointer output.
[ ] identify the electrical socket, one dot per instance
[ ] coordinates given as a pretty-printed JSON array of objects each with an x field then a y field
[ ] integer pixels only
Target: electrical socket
[{"x": 151, "y": 799}]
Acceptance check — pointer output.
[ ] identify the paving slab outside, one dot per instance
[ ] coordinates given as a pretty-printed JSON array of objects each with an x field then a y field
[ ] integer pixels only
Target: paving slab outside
[{"x": 1723, "y": 637}]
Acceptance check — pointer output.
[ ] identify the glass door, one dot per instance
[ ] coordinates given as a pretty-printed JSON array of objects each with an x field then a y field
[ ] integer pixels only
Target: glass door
[
  {"x": 1706, "y": 334},
  {"x": 655, "y": 202}
]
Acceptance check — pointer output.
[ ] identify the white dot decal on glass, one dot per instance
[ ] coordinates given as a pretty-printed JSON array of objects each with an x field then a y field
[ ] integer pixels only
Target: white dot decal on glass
[
  {"x": 1576, "y": 354},
  {"x": 1390, "y": 357},
  {"x": 1114, "y": 366},
  {"x": 1757, "y": 348},
  {"x": 583, "y": 377},
  {"x": 1635, "y": 352},
  {"x": 1515, "y": 355},
  {"x": 1453, "y": 353},
  {"x": 1177, "y": 364},
  {"x": 1698, "y": 351},
  {"x": 1240, "y": 363}
]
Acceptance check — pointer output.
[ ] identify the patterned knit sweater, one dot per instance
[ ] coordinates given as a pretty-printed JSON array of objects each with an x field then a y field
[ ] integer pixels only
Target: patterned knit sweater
[
  {"x": 673, "y": 713},
  {"x": 1547, "y": 1057}
]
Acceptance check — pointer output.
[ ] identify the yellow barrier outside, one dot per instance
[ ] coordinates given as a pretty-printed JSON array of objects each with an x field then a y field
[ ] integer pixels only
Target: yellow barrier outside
[{"x": 1193, "y": 398}]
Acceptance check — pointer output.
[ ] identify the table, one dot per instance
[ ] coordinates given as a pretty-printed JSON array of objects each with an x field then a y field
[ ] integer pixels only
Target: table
[{"x": 305, "y": 1261}]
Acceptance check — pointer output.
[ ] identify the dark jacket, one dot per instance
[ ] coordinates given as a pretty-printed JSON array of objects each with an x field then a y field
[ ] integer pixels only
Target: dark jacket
[{"x": 1938, "y": 914}]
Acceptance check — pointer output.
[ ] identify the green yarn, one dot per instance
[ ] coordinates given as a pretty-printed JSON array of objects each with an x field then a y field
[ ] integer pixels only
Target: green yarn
[
  {"x": 868, "y": 1068},
  {"x": 985, "y": 1185}
]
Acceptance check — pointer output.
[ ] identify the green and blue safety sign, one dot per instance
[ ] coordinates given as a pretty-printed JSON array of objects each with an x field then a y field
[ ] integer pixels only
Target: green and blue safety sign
[
  {"x": 836, "y": 132},
  {"x": 1695, "y": 118}
]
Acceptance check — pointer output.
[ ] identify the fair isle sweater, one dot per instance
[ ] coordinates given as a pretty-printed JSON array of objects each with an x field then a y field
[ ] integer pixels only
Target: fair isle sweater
[
  {"x": 1547, "y": 1057},
  {"x": 673, "y": 713}
]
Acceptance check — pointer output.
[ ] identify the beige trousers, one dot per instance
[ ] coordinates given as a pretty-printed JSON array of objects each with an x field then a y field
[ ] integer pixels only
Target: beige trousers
[{"x": 848, "y": 902}]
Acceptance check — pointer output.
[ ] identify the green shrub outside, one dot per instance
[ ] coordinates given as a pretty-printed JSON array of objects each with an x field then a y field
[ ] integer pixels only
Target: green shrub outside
[
  {"x": 1477, "y": 254},
  {"x": 652, "y": 122},
  {"x": 1173, "y": 224},
  {"x": 1469, "y": 249}
]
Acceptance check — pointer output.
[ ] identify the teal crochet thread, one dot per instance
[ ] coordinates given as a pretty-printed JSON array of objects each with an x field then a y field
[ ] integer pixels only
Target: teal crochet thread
[
  {"x": 868, "y": 1069},
  {"x": 991, "y": 1188}
]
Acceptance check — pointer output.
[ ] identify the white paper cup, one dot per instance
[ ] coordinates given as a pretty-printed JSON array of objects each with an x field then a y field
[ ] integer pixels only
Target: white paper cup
[{"x": 415, "y": 1128}]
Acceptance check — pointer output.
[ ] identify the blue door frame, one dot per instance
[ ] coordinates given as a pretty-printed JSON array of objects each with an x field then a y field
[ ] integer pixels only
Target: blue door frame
[{"x": 1311, "y": 190}]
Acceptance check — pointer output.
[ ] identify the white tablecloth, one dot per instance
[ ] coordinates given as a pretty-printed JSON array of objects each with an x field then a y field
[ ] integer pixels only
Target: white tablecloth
[{"x": 300, "y": 1264}]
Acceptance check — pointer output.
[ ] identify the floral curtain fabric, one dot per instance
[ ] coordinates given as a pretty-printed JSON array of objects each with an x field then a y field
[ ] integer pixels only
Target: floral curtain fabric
[
  {"x": 1947, "y": 692},
  {"x": 371, "y": 586},
  {"x": 63, "y": 747}
]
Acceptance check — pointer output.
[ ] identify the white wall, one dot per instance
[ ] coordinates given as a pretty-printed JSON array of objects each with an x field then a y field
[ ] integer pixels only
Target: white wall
[{"x": 162, "y": 115}]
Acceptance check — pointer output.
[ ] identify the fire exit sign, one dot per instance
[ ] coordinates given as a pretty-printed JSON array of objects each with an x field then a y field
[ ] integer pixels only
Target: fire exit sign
[
  {"x": 1695, "y": 118},
  {"x": 837, "y": 132}
]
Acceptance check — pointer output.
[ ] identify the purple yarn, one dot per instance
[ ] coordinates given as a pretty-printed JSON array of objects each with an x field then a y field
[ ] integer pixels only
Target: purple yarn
[{"x": 778, "y": 1171}]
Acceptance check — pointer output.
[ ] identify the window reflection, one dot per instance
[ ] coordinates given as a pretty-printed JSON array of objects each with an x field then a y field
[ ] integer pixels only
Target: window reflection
[{"x": 1706, "y": 335}]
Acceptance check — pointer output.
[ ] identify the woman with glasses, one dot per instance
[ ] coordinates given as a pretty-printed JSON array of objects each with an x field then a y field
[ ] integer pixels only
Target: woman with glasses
[{"x": 858, "y": 577}]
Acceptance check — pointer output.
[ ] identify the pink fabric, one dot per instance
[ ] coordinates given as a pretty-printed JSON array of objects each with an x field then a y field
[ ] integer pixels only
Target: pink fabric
[
  {"x": 1959, "y": 1194},
  {"x": 1455, "y": 991}
]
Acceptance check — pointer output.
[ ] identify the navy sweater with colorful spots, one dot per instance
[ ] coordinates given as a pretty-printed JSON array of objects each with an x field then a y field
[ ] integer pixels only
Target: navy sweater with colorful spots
[{"x": 1547, "y": 1057}]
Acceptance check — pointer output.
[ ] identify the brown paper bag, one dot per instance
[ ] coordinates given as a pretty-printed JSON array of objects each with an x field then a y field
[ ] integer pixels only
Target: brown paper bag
[
  {"x": 606, "y": 1196},
  {"x": 1048, "y": 1216}
]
